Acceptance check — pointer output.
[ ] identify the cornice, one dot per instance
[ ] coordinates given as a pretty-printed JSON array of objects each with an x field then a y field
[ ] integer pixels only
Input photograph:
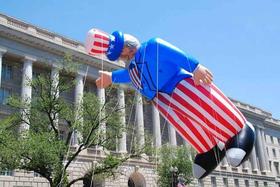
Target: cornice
[
  {"x": 250, "y": 108},
  {"x": 48, "y": 41}
]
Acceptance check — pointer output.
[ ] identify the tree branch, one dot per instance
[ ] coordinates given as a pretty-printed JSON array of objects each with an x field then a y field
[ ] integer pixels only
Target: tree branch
[{"x": 75, "y": 180}]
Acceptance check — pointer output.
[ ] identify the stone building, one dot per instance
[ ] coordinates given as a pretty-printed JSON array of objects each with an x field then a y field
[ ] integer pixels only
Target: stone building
[{"x": 27, "y": 50}]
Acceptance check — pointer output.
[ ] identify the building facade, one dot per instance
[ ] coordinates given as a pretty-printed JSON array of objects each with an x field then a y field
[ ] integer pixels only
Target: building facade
[{"x": 27, "y": 50}]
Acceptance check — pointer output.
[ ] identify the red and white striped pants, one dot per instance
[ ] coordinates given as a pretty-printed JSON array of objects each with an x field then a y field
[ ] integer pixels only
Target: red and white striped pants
[{"x": 202, "y": 114}]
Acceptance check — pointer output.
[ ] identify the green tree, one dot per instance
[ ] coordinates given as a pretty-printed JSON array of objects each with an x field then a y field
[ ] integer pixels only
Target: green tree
[
  {"x": 41, "y": 149},
  {"x": 170, "y": 157}
]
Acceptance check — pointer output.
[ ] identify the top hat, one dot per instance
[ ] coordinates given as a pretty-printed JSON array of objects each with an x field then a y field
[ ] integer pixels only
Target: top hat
[{"x": 99, "y": 42}]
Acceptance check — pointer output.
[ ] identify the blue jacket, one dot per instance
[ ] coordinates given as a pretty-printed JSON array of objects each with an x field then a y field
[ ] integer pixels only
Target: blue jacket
[{"x": 159, "y": 66}]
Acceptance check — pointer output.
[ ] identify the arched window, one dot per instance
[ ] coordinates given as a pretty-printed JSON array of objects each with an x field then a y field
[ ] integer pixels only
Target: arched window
[{"x": 136, "y": 179}]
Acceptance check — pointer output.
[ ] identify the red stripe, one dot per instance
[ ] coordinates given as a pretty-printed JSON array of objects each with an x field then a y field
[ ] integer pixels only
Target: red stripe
[
  {"x": 134, "y": 71},
  {"x": 97, "y": 51},
  {"x": 101, "y": 37},
  {"x": 190, "y": 125},
  {"x": 195, "y": 112},
  {"x": 180, "y": 129},
  {"x": 208, "y": 108},
  {"x": 217, "y": 102},
  {"x": 100, "y": 44},
  {"x": 133, "y": 79},
  {"x": 228, "y": 100}
]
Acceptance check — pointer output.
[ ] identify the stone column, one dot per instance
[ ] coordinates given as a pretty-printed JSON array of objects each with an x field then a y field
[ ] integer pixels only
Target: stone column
[
  {"x": 55, "y": 89},
  {"x": 264, "y": 150},
  {"x": 102, "y": 99},
  {"x": 245, "y": 165},
  {"x": 224, "y": 162},
  {"x": 172, "y": 135},
  {"x": 260, "y": 150},
  {"x": 189, "y": 146},
  {"x": 79, "y": 93},
  {"x": 2, "y": 52},
  {"x": 26, "y": 91},
  {"x": 156, "y": 127},
  {"x": 140, "y": 121},
  {"x": 121, "y": 104},
  {"x": 253, "y": 159}
]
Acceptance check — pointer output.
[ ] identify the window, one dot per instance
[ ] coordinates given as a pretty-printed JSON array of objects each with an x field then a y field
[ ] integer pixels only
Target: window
[
  {"x": 236, "y": 183},
  {"x": 265, "y": 184},
  {"x": 6, "y": 72},
  {"x": 271, "y": 139},
  {"x": 278, "y": 141},
  {"x": 6, "y": 172},
  {"x": 274, "y": 153},
  {"x": 270, "y": 166},
  {"x": 256, "y": 184},
  {"x": 213, "y": 182},
  {"x": 200, "y": 183},
  {"x": 247, "y": 183},
  {"x": 225, "y": 181},
  {"x": 4, "y": 94},
  {"x": 276, "y": 165},
  {"x": 35, "y": 75},
  {"x": 267, "y": 151},
  {"x": 61, "y": 134},
  {"x": 36, "y": 174}
]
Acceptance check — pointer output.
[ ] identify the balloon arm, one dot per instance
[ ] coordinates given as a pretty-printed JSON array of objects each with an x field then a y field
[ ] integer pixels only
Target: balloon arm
[
  {"x": 120, "y": 76},
  {"x": 191, "y": 65}
]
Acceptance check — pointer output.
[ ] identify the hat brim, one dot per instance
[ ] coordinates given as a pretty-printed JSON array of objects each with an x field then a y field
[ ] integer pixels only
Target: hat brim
[{"x": 115, "y": 52}]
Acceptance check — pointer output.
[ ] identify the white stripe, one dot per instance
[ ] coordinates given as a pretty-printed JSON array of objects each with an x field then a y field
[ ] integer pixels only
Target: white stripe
[
  {"x": 173, "y": 115},
  {"x": 134, "y": 71},
  {"x": 99, "y": 48},
  {"x": 202, "y": 133},
  {"x": 212, "y": 104},
  {"x": 102, "y": 33},
  {"x": 213, "y": 131},
  {"x": 232, "y": 105},
  {"x": 221, "y": 99},
  {"x": 133, "y": 79},
  {"x": 203, "y": 112}
]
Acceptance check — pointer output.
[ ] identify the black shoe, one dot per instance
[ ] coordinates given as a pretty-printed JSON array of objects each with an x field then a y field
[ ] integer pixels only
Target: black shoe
[
  {"x": 205, "y": 163},
  {"x": 239, "y": 147}
]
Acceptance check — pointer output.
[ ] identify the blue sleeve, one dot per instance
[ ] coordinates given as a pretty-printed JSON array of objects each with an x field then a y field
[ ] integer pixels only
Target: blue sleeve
[
  {"x": 167, "y": 53},
  {"x": 191, "y": 64},
  {"x": 120, "y": 76}
]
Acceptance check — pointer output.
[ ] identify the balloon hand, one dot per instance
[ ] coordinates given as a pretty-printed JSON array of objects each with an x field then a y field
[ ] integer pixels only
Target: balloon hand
[
  {"x": 202, "y": 75},
  {"x": 104, "y": 80}
]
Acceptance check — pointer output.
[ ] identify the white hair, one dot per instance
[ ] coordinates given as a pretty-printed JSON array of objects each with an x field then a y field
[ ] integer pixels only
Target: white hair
[{"x": 131, "y": 41}]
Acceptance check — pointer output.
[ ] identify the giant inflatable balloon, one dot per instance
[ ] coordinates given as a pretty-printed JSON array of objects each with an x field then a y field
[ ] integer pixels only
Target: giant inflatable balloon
[{"x": 200, "y": 113}]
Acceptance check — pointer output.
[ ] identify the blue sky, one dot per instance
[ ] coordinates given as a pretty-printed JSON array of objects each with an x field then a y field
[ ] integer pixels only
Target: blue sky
[{"x": 239, "y": 41}]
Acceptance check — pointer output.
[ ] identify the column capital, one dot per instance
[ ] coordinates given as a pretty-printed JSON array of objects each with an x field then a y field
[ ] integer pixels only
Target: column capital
[
  {"x": 55, "y": 66},
  {"x": 259, "y": 127},
  {"x": 2, "y": 51},
  {"x": 79, "y": 76},
  {"x": 28, "y": 58}
]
